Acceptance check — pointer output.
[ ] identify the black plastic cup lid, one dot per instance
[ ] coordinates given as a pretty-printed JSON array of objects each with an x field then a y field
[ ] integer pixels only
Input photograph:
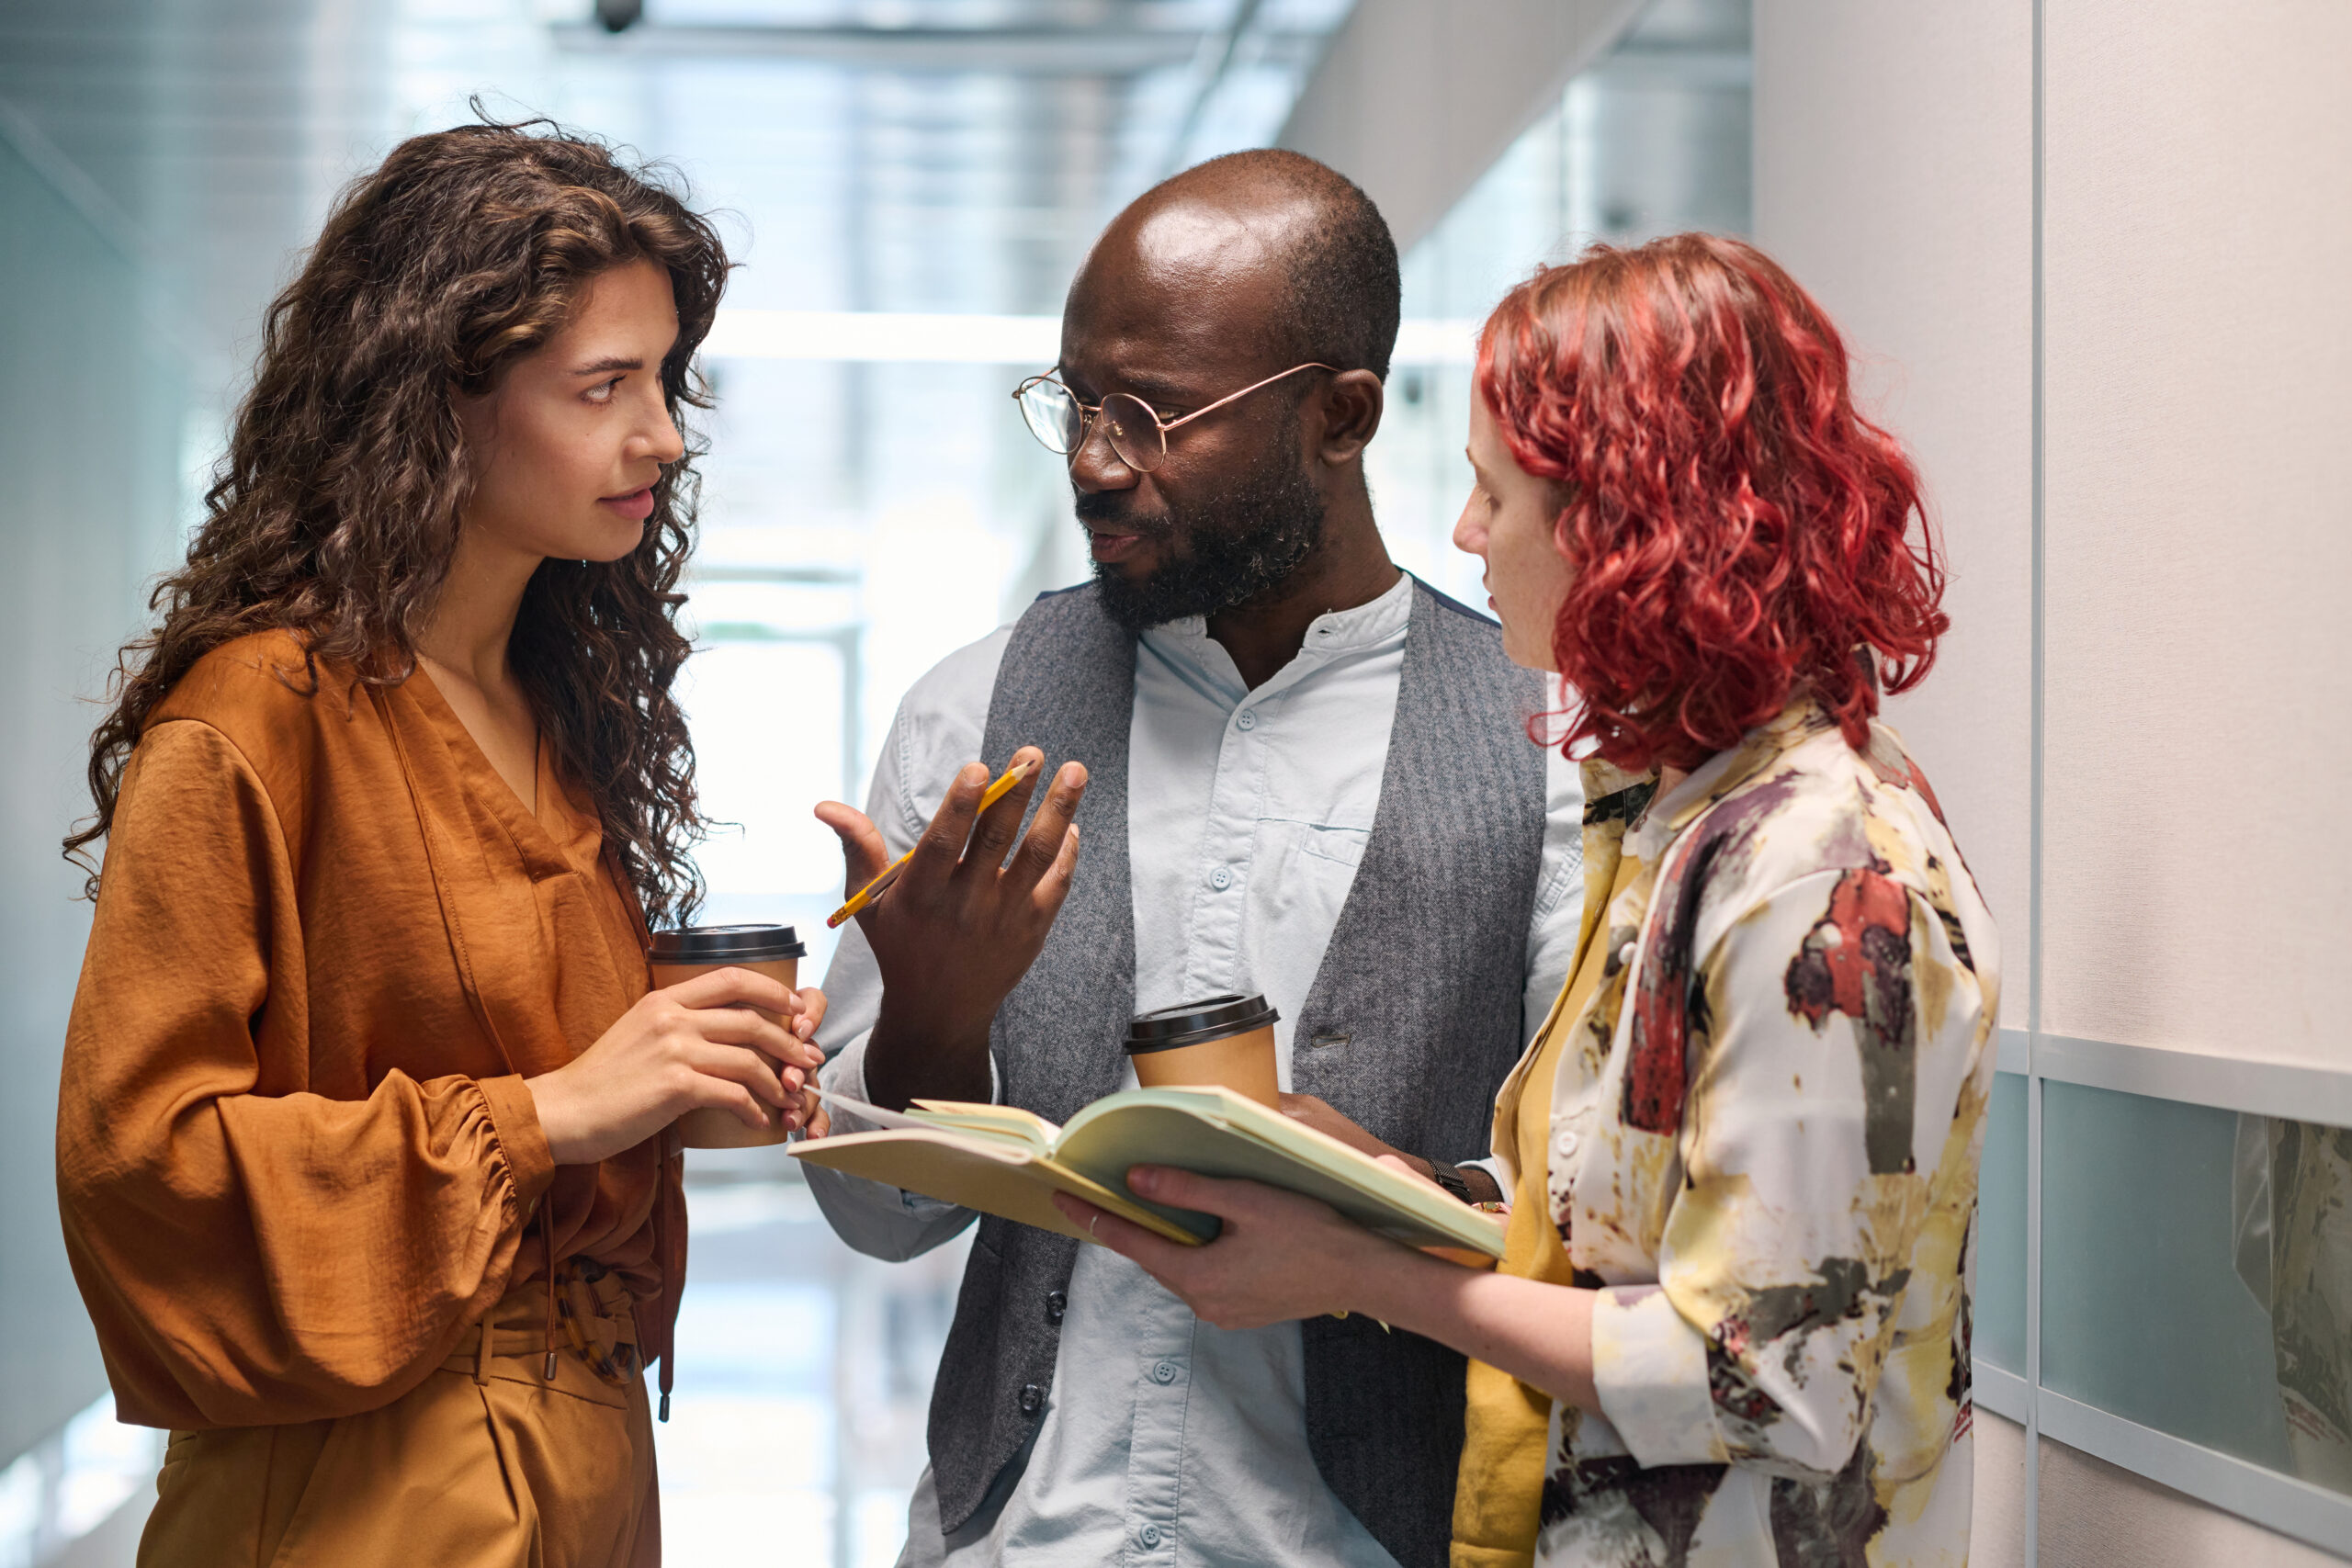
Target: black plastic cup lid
[
  {"x": 727, "y": 945},
  {"x": 1196, "y": 1023}
]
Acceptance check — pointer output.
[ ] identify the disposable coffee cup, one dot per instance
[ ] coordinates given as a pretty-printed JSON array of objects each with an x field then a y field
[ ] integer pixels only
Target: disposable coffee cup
[
  {"x": 773, "y": 951},
  {"x": 1222, "y": 1039}
]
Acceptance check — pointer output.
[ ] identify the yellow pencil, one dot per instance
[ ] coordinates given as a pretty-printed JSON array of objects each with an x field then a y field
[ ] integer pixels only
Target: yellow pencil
[{"x": 881, "y": 884}]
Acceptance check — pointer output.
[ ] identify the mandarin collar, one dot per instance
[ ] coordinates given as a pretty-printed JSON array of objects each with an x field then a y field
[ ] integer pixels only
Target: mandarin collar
[
  {"x": 1334, "y": 632},
  {"x": 1718, "y": 776}
]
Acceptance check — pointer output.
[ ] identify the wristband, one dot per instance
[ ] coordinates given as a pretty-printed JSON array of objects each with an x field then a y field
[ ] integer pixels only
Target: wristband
[{"x": 1449, "y": 1178}]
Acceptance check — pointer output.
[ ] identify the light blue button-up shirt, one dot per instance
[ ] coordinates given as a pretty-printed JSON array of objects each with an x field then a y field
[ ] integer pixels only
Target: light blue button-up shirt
[{"x": 1169, "y": 1442}]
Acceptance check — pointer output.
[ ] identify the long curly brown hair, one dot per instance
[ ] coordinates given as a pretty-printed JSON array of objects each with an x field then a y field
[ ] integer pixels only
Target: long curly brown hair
[{"x": 334, "y": 514}]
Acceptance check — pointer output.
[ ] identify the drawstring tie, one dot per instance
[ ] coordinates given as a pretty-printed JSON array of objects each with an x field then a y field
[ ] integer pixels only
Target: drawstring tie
[
  {"x": 546, "y": 1235},
  {"x": 670, "y": 1188}
]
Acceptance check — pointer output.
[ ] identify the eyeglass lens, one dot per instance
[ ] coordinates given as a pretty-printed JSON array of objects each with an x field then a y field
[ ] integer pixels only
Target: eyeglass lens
[
  {"x": 1052, "y": 415},
  {"x": 1134, "y": 435},
  {"x": 1054, "y": 418}
]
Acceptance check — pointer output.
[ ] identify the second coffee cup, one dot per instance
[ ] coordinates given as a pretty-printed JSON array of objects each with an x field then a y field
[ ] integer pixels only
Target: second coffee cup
[
  {"x": 678, "y": 956},
  {"x": 1222, "y": 1039}
]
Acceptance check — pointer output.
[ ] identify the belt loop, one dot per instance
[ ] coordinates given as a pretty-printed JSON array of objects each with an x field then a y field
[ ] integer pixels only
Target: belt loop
[{"x": 483, "y": 1352}]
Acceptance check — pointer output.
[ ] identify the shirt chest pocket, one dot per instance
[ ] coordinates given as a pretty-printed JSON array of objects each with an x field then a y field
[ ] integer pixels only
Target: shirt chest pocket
[
  {"x": 1301, "y": 876},
  {"x": 1342, "y": 847}
]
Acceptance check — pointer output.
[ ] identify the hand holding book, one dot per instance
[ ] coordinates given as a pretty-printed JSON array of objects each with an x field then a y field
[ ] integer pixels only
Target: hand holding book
[
  {"x": 1278, "y": 1257},
  {"x": 1002, "y": 1160}
]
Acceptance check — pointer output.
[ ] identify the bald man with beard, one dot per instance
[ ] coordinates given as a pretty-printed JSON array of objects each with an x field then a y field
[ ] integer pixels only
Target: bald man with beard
[{"x": 1293, "y": 770}]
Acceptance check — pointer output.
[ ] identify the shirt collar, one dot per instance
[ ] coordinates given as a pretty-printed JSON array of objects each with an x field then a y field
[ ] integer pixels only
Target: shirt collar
[
  {"x": 1337, "y": 631},
  {"x": 1345, "y": 631},
  {"x": 1716, "y": 777}
]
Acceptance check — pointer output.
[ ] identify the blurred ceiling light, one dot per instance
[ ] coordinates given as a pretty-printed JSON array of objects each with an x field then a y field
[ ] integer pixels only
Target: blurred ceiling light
[
  {"x": 875, "y": 337},
  {"x": 1123, "y": 46},
  {"x": 619, "y": 16},
  {"x": 884, "y": 336}
]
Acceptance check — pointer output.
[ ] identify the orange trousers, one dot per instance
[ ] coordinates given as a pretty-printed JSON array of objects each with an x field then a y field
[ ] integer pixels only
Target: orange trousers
[{"x": 488, "y": 1463}]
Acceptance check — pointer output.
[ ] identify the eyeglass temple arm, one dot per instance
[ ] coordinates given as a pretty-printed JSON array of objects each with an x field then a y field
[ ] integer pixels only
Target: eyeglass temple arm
[{"x": 1245, "y": 391}]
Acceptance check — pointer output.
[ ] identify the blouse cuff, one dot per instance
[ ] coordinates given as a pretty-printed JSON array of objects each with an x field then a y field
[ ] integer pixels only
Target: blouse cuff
[
  {"x": 845, "y": 1074},
  {"x": 514, "y": 1119},
  {"x": 1650, "y": 1368}
]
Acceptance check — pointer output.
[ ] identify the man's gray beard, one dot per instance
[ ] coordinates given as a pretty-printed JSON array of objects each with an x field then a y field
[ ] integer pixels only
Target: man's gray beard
[{"x": 1242, "y": 544}]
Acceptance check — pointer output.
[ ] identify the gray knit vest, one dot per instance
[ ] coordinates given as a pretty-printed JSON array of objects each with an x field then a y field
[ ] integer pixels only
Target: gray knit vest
[{"x": 1412, "y": 1024}]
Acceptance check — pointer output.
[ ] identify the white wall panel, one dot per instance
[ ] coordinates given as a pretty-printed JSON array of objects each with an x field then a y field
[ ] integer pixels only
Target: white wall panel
[
  {"x": 1894, "y": 180},
  {"x": 2198, "y": 218},
  {"x": 1997, "y": 1530},
  {"x": 2196, "y": 168},
  {"x": 2097, "y": 1515}
]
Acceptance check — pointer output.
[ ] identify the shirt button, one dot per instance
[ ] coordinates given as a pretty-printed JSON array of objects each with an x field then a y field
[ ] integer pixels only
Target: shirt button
[
  {"x": 1033, "y": 1399},
  {"x": 1148, "y": 1534},
  {"x": 1565, "y": 1144},
  {"x": 1221, "y": 878},
  {"x": 1247, "y": 720},
  {"x": 1163, "y": 1371},
  {"x": 1057, "y": 1304}
]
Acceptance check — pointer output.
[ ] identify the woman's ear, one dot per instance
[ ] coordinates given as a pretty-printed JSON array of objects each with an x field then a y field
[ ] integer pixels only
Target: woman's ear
[
  {"x": 1352, "y": 402},
  {"x": 477, "y": 416}
]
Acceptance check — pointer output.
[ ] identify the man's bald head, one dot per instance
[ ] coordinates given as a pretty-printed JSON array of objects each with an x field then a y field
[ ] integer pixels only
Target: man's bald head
[{"x": 1268, "y": 210}]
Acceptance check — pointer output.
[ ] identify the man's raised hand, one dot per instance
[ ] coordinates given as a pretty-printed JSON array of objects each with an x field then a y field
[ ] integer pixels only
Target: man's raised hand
[{"x": 960, "y": 926}]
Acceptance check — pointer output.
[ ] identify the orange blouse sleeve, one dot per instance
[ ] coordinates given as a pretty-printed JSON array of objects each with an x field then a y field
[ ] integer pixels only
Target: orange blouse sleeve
[{"x": 251, "y": 1252}]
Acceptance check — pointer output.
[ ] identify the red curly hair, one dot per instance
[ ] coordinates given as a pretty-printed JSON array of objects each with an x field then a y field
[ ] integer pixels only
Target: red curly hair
[{"x": 1739, "y": 534}]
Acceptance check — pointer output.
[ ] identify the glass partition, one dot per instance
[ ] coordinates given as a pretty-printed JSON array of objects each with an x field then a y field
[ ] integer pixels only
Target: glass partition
[
  {"x": 2194, "y": 1272},
  {"x": 2001, "y": 1230}
]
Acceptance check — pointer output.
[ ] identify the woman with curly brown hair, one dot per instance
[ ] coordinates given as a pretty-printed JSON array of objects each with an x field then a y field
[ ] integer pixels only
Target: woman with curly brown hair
[
  {"x": 360, "y": 1140},
  {"x": 1731, "y": 1321}
]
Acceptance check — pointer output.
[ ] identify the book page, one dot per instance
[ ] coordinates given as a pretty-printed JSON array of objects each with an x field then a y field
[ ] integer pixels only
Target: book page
[
  {"x": 1214, "y": 1131},
  {"x": 1030, "y": 1129},
  {"x": 874, "y": 1114},
  {"x": 991, "y": 1174}
]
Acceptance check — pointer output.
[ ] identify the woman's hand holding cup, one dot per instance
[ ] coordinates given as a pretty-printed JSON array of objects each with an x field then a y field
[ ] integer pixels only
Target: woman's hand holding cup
[{"x": 682, "y": 1049}]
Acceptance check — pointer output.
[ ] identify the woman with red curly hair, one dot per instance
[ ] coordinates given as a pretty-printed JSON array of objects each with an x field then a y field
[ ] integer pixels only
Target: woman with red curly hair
[{"x": 1731, "y": 1323}]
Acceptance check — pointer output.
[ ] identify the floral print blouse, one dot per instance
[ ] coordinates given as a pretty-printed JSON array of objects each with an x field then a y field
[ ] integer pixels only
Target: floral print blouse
[{"x": 1765, "y": 1134}]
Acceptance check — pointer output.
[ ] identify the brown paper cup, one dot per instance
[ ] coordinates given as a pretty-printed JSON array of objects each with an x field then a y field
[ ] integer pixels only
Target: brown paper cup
[
  {"x": 1242, "y": 1063},
  {"x": 711, "y": 1128}
]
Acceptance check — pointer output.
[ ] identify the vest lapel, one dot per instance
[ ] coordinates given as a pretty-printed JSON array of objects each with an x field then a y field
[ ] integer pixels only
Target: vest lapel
[
  {"x": 1067, "y": 687},
  {"x": 1414, "y": 1016}
]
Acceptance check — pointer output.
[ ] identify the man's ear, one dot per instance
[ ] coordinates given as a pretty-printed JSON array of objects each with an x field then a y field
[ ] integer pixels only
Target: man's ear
[{"x": 1352, "y": 403}]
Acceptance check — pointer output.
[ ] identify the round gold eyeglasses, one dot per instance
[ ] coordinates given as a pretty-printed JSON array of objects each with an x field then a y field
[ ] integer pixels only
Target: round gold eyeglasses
[{"x": 1137, "y": 433}]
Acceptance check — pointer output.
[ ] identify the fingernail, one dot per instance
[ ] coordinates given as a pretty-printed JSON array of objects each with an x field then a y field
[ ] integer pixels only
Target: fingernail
[{"x": 1143, "y": 1178}]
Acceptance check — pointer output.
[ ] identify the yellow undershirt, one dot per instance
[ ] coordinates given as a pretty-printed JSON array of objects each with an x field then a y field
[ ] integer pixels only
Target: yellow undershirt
[{"x": 1498, "y": 1502}]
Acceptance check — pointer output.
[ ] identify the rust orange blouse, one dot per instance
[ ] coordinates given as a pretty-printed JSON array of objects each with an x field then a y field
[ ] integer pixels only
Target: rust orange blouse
[{"x": 296, "y": 1156}]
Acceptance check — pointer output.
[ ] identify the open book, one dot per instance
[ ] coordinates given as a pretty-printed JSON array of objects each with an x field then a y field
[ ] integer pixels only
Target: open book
[{"x": 1002, "y": 1160}]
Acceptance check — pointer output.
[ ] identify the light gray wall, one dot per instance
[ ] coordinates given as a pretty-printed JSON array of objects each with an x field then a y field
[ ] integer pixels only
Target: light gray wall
[
  {"x": 1997, "y": 1533},
  {"x": 2198, "y": 226},
  {"x": 2096, "y": 1514},
  {"x": 1894, "y": 179},
  {"x": 2195, "y": 206},
  {"x": 1414, "y": 98},
  {"x": 90, "y": 406}
]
